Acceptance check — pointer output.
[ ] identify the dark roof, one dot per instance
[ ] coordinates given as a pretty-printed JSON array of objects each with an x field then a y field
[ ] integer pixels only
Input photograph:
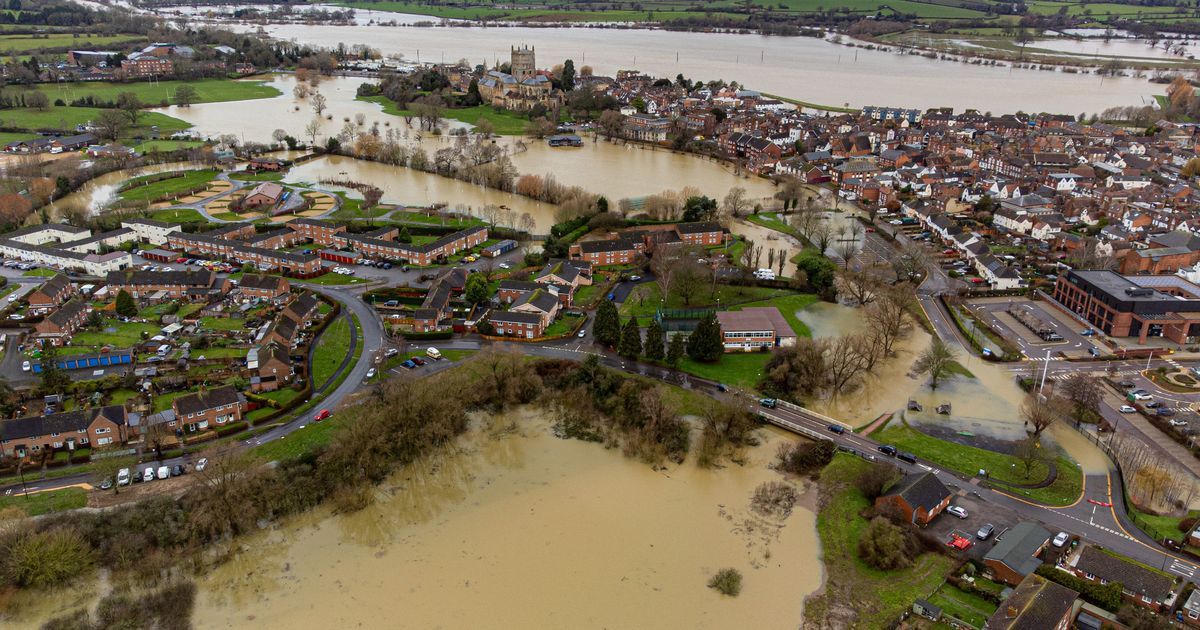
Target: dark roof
[
  {"x": 565, "y": 269},
  {"x": 272, "y": 350},
  {"x": 1019, "y": 547},
  {"x": 203, "y": 401},
  {"x": 614, "y": 245},
  {"x": 920, "y": 490},
  {"x": 186, "y": 277},
  {"x": 54, "y": 287},
  {"x": 302, "y": 305},
  {"x": 700, "y": 227},
  {"x": 66, "y": 313},
  {"x": 285, "y": 326},
  {"x": 519, "y": 285},
  {"x": 261, "y": 281},
  {"x": 541, "y": 300},
  {"x": 1036, "y": 604},
  {"x": 1133, "y": 577},
  {"x": 65, "y": 422},
  {"x": 516, "y": 318}
]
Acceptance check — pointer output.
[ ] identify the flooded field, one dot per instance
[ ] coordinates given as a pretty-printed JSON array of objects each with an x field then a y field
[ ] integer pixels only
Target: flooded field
[
  {"x": 93, "y": 196},
  {"x": 526, "y": 530}
]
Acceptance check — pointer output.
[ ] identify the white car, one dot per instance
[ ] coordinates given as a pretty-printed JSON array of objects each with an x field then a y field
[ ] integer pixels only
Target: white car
[
  {"x": 371, "y": 373},
  {"x": 201, "y": 464},
  {"x": 1178, "y": 423},
  {"x": 957, "y": 511},
  {"x": 1127, "y": 409},
  {"x": 391, "y": 352},
  {"x": 1061, "y": 539},
  {"x": 1141, "y": 396},
  {"x": 25, "y": 366},
  {"x": 148, "y": 474},
  {"x": 505, "y": 266}
]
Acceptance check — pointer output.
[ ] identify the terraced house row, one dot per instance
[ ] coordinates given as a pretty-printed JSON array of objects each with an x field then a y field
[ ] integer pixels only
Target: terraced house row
[{"x": 69, "y": 247}]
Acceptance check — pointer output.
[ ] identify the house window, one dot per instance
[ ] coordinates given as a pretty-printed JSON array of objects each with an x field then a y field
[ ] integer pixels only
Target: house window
[
  {"x": 104, "y": 441},
  {"x": 103, "y": 430},
  {"x": 1147, "y": 599},
  {"x": 1089, "y": 576}
]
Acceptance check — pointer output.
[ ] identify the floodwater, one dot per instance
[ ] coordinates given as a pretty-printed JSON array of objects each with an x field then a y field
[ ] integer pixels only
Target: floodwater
[
  {"x": 804, "y": 68},
  {"x": 985, "y": 405},
  {"x": 522, "y": 530},
  {"x": 1123, "y": 48},
  {"x": 97, "y": 193}
]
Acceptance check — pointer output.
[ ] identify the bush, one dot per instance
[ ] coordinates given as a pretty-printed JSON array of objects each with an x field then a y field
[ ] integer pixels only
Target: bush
[
  {"x": 44, "y": 559},
  {"x": 727, "y": 581},
  {"x": 886, "y": 546},
  {"x": 230, "y": 429},
  {"x": 805, "y": 457},
  {"x": 875, "y": 479}
]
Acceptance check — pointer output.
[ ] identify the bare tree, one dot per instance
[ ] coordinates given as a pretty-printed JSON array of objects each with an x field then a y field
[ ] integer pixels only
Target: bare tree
[
  {"x": 911, "y": 262},
  {"x": 736, "y": 203},
  {"x": 821, "y": 235},
  {"x": 937, "y": 361},
  {"x": 888, "y": 317},
  {"x": 690, "y": 277},
  {"x": 318, "y": 103},
  {"x": 849, "y": 356},
  {"x": 1029, "y": 452},
  {"x": 860, "y": 286},
  {"x": 1038, "y": 413},
  {"x": 312, "y": 129},
  {"x": 1085, "y": 394}
]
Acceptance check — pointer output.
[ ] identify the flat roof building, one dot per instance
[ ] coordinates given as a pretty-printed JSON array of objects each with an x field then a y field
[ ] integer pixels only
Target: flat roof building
[{"x": 1132, "y": 306}]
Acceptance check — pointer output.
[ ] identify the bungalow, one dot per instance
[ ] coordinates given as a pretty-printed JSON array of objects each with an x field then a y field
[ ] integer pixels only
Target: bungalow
[
  {"x": 1036, "y": 604},
  {"x": 203, "y": 409},
  {"x": 70, "y": 429},
  {"x": 254, "y": 285},
  {"x": 1016, "y": 555},
  {"x": 1140, "y": 585},
  {"x": 755, "y": 328},
  {"x": 918, "y": 496},
  {"x": 265, "y": 194},
  {"x": 53, "y": 292},
  {"x": 57, "y": 327}
]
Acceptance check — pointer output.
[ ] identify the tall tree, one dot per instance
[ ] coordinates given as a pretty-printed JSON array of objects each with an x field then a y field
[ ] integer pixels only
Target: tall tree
[
  {"x": 1085, "y": 393},
  {"x": 654, "y": 341},
  {"x": 125, "y": 304},
  {"x": 185, "y": 95},
  {"x": 54, "y": 378},
  {"x": 704, "y": 344},
  {"x": 1039, "y": 414},
  {"x": 476, "y": 289},
  {"x": 129, "y": 103},
  {"x": 631, "y": 339},
  {"x": 567, "y": 78},
  {"x": 936, "y": 362},
  {"x": 607, "y": 328},
  {"x": 676, "y": 349}
]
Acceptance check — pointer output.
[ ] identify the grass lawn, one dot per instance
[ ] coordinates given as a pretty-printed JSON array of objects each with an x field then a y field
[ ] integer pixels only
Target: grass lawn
[
  {"x": 457, "y": 355},
  {"x": 173, "y": 185},
  {"x": 42, "y": 272},
  {"x": 300, "y": 441},
  {"x": 968, "y": 460},
  {"x": 114, "y": 333},
  {"x": 562, "y": 326},
  {"x": 261, "y": 176},
  {"x": 505, "y": 123},
  {"x": 162, "y": 402},
  {"x": 335, "y": 279},
  {"x": 742, "y": 369},
  {"x": 207, "y": 90},
  {"x": 407, "y": 216},
  {"x": 47, "y": 502},
  {"x": 227, "y": 216},
  {"x": 27, "y": 42},
  {"x": 788, "y": 305},
  {"x": 332, "y": 348},
  {"x": 165, "y": 146},
  {"x": 220, "y": 353},
  {"x": 120, "y": 396},
  {"x": 646, "y": 298},
  {"x": 960, "y": 604},
  {"x": 178, "y": 215},
  {"x": 223, "y": 323},
  {"x": 1159, "y": 527},
  {"x": 877, "y": 596},
  {"x": 282, "y": 396},
  {"x": 66, "y": 118}
]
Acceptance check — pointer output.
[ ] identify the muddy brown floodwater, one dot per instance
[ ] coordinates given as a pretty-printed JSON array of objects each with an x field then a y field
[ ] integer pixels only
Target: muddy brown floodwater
[{"x": 519, "y": 529}]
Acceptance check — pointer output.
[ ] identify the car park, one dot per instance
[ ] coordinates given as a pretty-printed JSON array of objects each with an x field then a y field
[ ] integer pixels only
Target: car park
[
  {"x": 1061, "y": 539},
  {"x": 148, "y": 474},
  {"x": 985, "y": 532},
  {"x": 956, "y": 511},
  {"x": 1127, "y": 409}
]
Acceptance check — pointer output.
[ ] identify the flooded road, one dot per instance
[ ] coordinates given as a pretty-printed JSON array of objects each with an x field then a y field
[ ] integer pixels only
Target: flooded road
[{"x": 526, "y": 530}]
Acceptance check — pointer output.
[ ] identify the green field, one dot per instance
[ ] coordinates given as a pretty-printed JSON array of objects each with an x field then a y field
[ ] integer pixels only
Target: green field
[
  {"x": 41, "y": 272},
  {"x": 737, "y": 369},
  {"x": 152, "y": 94},
  {"x": 164, "y": 146},
  {"x": 27, "y": 43},
  {"x": 170, "y": 186},
  {"x": 178, "y": 215},
  {"x": 969, "y": 460},
  {"x": 505, "y": 123},
  {"x": 46, "y": 502},
  {"x": 114, "y": 333},
  {"x": 960, "y": 604},
  {"x": 222, "y": 323},
  {"x": 332, "y": 348},
  {"x": 263, "y": 176},
  {"x": 66, "y": 118},
  {"x": 877, "y": 596}
]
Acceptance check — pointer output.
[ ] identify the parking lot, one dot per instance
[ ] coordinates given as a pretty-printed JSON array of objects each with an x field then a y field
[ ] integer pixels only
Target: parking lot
[
  {"x": 1020, "y": 320},
  {"x": 946, "y": 526}
]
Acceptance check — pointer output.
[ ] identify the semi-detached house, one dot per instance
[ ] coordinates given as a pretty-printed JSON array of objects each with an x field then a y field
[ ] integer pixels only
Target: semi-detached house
[
  {"x": 27, "y": 436},
  {"x": 205, "y": 409}
]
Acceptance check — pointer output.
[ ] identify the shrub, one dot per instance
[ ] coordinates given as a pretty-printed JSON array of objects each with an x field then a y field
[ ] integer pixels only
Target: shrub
[
  {"x": 44, "y": 559},
  {"x": 1107, "y": 596},
  {"x": 230, "y": 429},
  {"x": 805, "y": 457},
  {"x": 727, "y": 581},
  {"x": 886, "y": 546}
]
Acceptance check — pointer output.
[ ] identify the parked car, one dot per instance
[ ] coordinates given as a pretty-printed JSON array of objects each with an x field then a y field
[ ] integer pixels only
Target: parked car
[
  {"x": 25, "y": 366},
  {"x": 906, "y": 457},
  {"x": 769, "y": 403},
  {"x": 371, "y": 373},
  {"x": 1061, "y": 538},
  {"x": 391, "y": 352},
  {"x": 408, "y": 364},
  {"x": 164, "y": 472},
  {"x": 148, "y": 474},
  {"x": 107, "y": 484},
  {"x": 419, "y": 361},
  {"x": 434, "y": 354},
  {"x": 1178, "y": 423},
  {"x": 505, "y": 265},
  {"x": 836, "y": 428},
  {"x": 1087, "y": 332},
  {"x": 177, "y": 470},
  {"x": 1126, "y": 384},
  {"x": 582, "y": 333},
  {"x": 1127, "y": 409},
  {"x": 1154, "y": 404},
  {"x": 1166, "y": 411},
  {"x": 985, "y": 532},
  {"x": 1141, "y": 396},
  {"x": 956, "y": 511},
  {"x": 321, "y": 415},
  {"x": 123, "y": 477},
  {"x": 201, "y": 464}
]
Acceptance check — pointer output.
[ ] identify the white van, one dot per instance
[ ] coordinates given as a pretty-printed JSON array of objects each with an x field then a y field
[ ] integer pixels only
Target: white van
[
  {"x": 123, "y": 477},
  {"x": 433, "y": 353},
  {"x": 148, "y": 474},
  {"x": 764, "y": 274},
  {"x": 164, "y": 472}
]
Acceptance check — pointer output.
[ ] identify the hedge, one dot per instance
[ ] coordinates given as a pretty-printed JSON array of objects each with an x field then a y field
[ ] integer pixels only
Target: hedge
[
  {"x": 230, "y": 429},
  {"x": 1106, "y": 596},
  {"x": 429, "y": 336}
]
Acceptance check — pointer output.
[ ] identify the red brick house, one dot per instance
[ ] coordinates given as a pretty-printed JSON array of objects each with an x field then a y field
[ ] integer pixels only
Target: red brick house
[
  {"x": 265, "y": 194},
  {"x": 517, "y": 324},
  {"x": 95, "y": 427},
  {"x": 57, "y": 327},
  {"x": 205, "y": 409},
  {"x": 53, "y": 292},
  {"x": 1016, "y": 556},
  {"x": 918, "y": 496},
  {"x": 617, "y": 251},
  {"x": 1140, "y": 585},
  {"x": 254, "y": 285},
  {"x": 1036, "y": 604}
]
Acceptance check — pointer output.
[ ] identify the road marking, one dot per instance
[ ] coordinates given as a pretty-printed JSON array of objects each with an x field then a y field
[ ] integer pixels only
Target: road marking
[{"x": 1182, "y": 568}]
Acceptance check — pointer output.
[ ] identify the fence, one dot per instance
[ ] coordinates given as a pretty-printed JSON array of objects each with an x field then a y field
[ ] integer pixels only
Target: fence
[{"x": 809, "y": 412}]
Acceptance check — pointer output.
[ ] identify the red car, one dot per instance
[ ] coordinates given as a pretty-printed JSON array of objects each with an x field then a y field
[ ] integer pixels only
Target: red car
[
  {"x": 321, "y": 415},
  {"x": 181, "y": 260}
]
